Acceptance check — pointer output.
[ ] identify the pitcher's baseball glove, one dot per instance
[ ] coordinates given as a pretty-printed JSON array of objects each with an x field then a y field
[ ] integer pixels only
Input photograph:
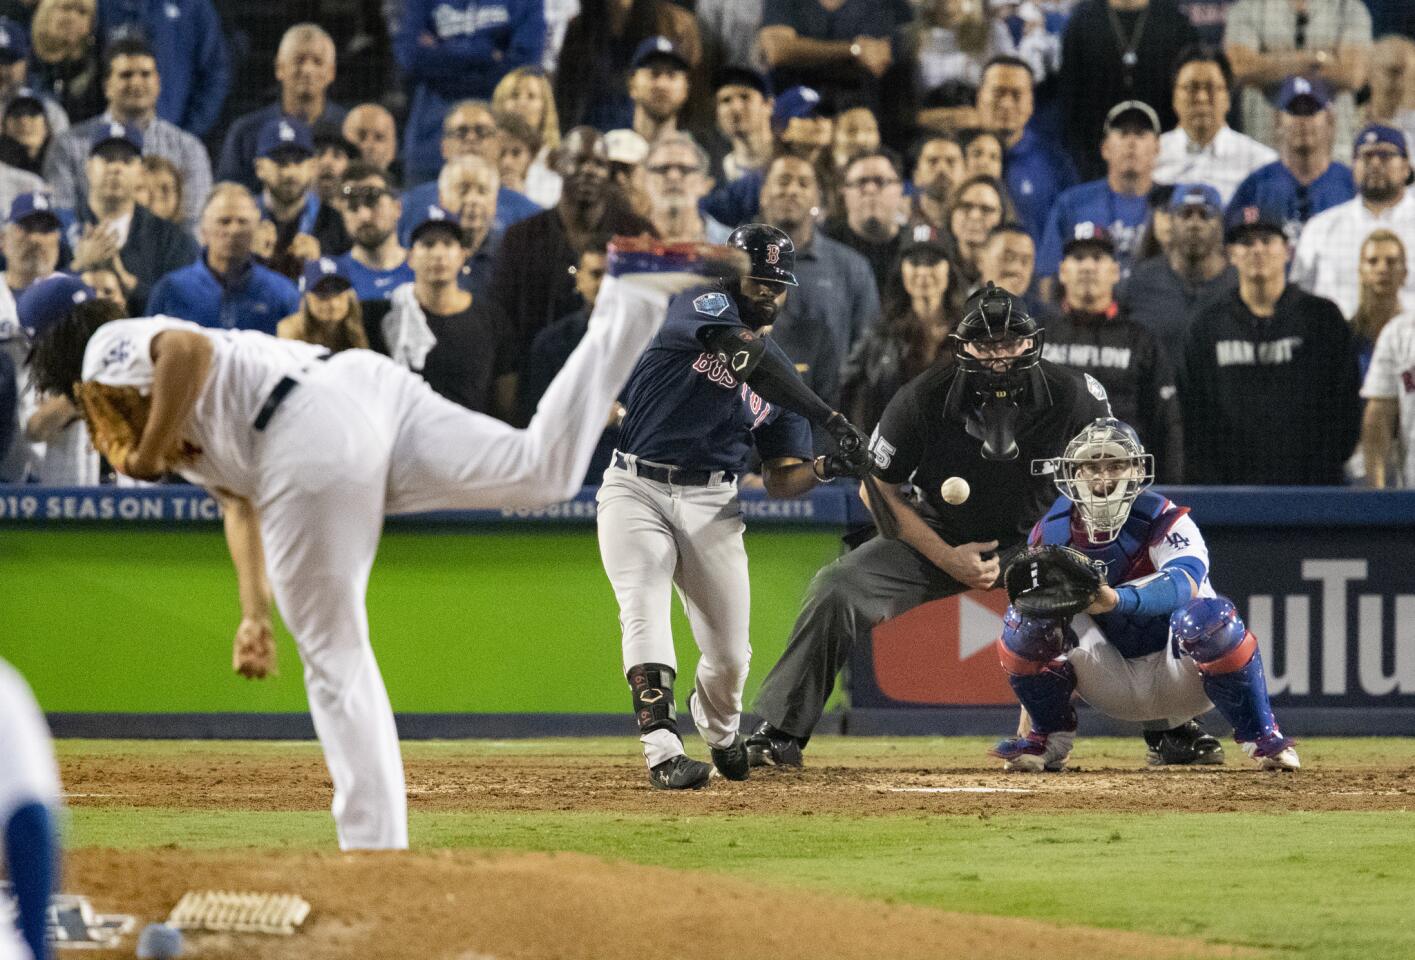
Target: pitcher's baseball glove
[
  {"x": 116, "y": 418},
  {"x": 1052, "y": 582}
]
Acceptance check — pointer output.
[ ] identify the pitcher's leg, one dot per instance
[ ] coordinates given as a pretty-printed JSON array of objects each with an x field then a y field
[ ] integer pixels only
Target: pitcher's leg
[{"x": 319, "y": 550}]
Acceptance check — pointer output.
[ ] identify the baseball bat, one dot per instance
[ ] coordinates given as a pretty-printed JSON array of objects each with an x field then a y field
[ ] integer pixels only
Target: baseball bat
[{"x": 880, "y": 509}]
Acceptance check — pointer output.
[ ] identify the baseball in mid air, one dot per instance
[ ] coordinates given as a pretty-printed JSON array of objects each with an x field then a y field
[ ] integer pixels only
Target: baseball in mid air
[{"x": 954, "y": 490}]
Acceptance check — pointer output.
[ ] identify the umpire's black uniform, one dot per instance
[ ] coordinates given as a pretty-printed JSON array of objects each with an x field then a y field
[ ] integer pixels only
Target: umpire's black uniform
[{"x": 916, "y": 444}]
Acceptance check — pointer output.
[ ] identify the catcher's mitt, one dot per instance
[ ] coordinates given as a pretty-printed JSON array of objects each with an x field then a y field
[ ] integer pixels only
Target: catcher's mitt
[
  {"x": 1052, "y": 582},
  {"x": 116, "y": 418}
]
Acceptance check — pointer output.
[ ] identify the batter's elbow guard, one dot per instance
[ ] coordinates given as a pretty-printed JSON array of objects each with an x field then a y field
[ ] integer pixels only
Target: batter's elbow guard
[
  {"x": 1210, "y": 631},
  {"x": 652, "y": 687},
  {"x": 739, "y": 349},
  {"x": 1029, "y": 644}
]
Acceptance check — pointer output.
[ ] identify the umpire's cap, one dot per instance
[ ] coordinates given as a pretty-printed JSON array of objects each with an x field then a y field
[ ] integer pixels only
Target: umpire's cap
[
  {"x": 45, "y": 303},
  {"x": 772, "y": 252}
]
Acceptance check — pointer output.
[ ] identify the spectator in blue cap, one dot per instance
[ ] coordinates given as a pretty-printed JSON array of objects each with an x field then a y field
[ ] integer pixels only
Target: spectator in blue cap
[
  {"x": 117, "y": 234},
  {"x": 131, "y": 86},
  {"x": 304, "y": 68},
  {"x": 225, "y": 287},
  {"x": 192, "y": 56},
  {"x": 744, "y": 103},
  {"x": 1329, "y": 251},
  {"x": 64, "y": 59},
  {"x": 451, "y": 51},
  {"x": 801, "y": 123},
  {"x": 658, "y": 88},
  {"x": 329, "y": 313},
  {"x": 1304, "y": 180},
  {"x": 1163, "y": 290},
  {"x": 305, "y": 228},
  {"x": 24, "y": 131}
]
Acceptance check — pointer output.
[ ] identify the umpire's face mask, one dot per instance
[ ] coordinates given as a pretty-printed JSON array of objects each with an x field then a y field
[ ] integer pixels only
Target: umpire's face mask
[{"x": 998, "y": 394}]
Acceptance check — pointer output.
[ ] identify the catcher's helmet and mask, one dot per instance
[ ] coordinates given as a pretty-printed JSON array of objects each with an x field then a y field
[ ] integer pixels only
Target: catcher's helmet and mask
[
  {"x": 1102, "y": 471},
  {"x": 991, "y": 390}
]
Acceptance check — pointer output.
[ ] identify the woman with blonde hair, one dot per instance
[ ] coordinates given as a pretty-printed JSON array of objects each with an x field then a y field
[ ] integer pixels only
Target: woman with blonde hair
[
  {"x": 526, "y": 93},
  {"x": 66, "y": 61},
  {"x": 329, "y": 313}
]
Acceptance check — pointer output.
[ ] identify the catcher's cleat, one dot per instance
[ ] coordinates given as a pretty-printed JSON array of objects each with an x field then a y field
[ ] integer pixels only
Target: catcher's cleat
[
  {"x": 1036, "y": 752},
  {"x": 1273, "y": 752},
  {"x": 680, "y": 773},
  {"x": 768, "y": 746},
  {"x": 1184, "y": 745},
  {"x": 732, "y": 761}
]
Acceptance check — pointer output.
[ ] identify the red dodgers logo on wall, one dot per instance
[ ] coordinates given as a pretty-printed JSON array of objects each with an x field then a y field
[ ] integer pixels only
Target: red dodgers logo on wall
[{"x": 944, "y": 653}]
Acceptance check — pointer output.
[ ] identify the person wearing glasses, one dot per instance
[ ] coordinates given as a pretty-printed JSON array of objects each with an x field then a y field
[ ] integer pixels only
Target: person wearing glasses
[
  {"x": 873, "y": 190},
  {"x": 1329, "y": 250},
  {"x": 1268, "y": 41},
  {"x": 677, "y": 179},
  {"x": 469, "y": 128},
  {"x": 1203, "y": 148},
  {"x": 377, "y": 262}
]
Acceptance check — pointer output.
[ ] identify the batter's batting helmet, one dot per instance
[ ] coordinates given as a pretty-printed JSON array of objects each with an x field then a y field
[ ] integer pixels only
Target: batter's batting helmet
[{"x": 772, "y": 252}]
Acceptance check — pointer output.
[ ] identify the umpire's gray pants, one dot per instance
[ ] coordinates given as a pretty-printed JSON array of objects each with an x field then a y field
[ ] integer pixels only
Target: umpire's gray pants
[{"x": 879, "y": 580}]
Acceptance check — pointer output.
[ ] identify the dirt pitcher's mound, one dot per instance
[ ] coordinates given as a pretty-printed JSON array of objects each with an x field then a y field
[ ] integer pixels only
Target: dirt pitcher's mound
[{"x": 469, "y": 906}]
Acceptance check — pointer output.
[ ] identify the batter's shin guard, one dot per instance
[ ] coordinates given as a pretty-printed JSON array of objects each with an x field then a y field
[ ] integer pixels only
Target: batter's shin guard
[
  {"x": 1241, "y": 695},
  {"x": 652, "y": 686},
  {"x": 1047, "y": 696}
]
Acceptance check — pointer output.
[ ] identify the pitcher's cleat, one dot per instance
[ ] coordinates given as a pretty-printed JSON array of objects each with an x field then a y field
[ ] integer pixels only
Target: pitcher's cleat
[{"x": 1036, "y": 752}]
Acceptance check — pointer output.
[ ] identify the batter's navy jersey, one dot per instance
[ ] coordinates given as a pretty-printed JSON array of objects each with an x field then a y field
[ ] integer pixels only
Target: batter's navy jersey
[
  {"x": 1273, "y": 191},
  {"x": 686, "y": 408},
  {"x": 1122, "y": 215}
]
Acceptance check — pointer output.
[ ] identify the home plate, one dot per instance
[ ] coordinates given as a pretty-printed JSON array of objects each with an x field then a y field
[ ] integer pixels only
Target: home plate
[{"x": 957, "y": 790}]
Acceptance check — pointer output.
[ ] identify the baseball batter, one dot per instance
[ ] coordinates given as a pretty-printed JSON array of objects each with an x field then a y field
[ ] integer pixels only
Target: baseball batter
[
  {"x": 308, "y": 452},
  {"x": 709, "y": 388},
  {"x": 29, "y": 800},
  {"x": 1157, "y": 643}
]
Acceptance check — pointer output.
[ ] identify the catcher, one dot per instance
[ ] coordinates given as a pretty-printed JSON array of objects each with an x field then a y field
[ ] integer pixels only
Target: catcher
[
  {"x": 1113, "y": 602},
  {"x": 309, "y": 451}
]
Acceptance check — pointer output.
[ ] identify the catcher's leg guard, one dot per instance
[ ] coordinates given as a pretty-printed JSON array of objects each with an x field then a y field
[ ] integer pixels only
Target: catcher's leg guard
[
  {"x": 1210, "y": 631},
  {"x": 652, "y": 686},
  {"x": 1030, "y": 651}
]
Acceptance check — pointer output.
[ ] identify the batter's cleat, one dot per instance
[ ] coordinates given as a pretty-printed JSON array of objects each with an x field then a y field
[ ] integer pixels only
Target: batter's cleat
[
  {"x": 1036, "y": 752},
  {"x": 768, "y": 746},
  {"x": 680, "y": 773},
  {"x": 1273, "y": 752},
  {"x": 732, "y": 761},
  {"x": 1184, "y": 745}
]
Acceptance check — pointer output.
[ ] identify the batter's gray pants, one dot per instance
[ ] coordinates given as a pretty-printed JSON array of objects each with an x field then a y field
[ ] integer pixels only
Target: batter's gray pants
[{"x": 879, "y": 580}]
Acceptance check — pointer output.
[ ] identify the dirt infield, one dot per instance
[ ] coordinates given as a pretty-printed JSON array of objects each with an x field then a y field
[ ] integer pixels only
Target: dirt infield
[
  {"x": 285, "y": 780},
  {"x": 465, "y": 906}
]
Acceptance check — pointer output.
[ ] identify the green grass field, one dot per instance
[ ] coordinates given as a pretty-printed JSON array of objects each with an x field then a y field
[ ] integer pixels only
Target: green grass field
[{"x": 1319, "y": 884}]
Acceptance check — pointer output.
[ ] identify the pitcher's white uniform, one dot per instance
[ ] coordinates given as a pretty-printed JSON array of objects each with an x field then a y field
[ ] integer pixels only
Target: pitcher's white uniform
[{"x": 360, "y": 437}]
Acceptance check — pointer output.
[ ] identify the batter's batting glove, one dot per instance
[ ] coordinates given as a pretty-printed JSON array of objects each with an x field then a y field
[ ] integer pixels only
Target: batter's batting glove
[{"x": 853, "y": 445}]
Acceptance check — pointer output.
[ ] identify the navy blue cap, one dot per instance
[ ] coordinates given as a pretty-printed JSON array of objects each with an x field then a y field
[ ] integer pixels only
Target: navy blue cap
[
  {"x": 1303, "y": 96},
  {"x": 25, "y": 95},
  {"x": 1245, "y": 223},
  {"x": 114, "y": 132},
  {"x": 1189, "y": 195},
  {"x": 282, "y": 135},
  {"x": 796, "y": 102},
  {"x": 34, "y": 206},
  {"x": 14, "y": 41},
  {"x": 435, "y": 217},
  {"x": 1091, "y": 236},
  {"x": 658, "y": 48},
  {"x": 318, "y": 271},
  {"x": 739, "y": 76},
  {"x": 45, "y": 303},
  {"x": 1377, "y": 133}
]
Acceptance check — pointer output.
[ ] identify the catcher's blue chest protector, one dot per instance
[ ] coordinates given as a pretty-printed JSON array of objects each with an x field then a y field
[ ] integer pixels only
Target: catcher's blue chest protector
[{"x": 1126, "y": 558}]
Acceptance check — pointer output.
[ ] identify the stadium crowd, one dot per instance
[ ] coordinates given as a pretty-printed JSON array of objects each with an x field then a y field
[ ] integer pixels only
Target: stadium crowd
[{"x": 1206, "y": 202}]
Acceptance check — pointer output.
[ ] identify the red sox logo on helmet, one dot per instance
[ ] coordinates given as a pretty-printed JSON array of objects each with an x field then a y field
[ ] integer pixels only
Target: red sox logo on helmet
[{"x": 773, "y": 253}]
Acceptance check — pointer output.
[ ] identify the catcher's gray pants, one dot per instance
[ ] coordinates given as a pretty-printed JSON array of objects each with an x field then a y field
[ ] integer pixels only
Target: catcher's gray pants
[
  {"x": 653, "y": 537},
  {"x": 880, "y": 580}
]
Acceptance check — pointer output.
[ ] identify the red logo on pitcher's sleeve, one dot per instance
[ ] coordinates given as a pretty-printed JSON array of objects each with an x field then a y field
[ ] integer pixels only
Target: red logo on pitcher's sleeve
[
  {"x": 1407, "y": 380},
  {"x": 773, "y": 253}
]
